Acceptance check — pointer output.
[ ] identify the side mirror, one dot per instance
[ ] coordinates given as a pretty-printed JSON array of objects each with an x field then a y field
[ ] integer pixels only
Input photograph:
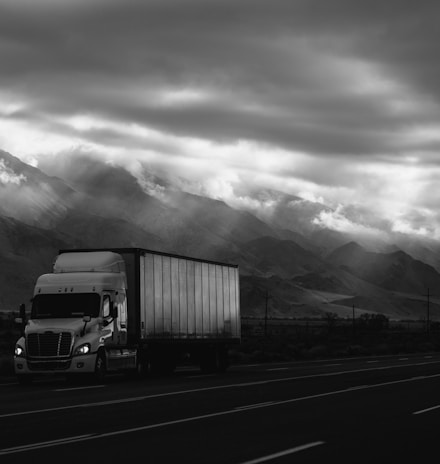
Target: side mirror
[
  {"x": 22, "y": 312},
  {"x": 86, "y": 318}
]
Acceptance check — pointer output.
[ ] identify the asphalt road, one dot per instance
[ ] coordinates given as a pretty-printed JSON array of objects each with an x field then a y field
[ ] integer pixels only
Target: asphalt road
[{"x": 383, "y": 409}]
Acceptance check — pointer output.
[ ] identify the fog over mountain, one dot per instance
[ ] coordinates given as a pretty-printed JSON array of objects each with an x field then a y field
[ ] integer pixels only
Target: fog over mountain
[
  {"x": 333, "y": 103},
  {"x": 277, "y": 239}
]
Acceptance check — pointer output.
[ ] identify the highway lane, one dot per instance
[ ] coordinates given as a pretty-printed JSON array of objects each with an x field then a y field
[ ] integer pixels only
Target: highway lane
[{"x": 314, "y": 410}]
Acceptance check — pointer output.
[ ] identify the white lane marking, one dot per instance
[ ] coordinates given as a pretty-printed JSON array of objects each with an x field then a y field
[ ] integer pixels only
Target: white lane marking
[
  {"x": 317, "y": 361},
  {"x": 194, "y": 418},
  {"x": 331, "y": 365},
  {"x": 403, "y": 359},
  {"x": 426, "y": 410},
  {"x": 7, "y": 384},
  {"x": 351, "y": 358},
  {"x": 427, "y": 357},
  {"x": 217, "y": 387},
  {"x": 359, "y": 387},
  {"x": 284, "y": 453},
  {"x": 44, "y": 444},
  {"x": 371, "y": 362},
  {"x": 278, "y": 369},
  {"x": 67, "y": 440},
  {"x": 255, "y": 406},
  {"x": 78, "y": 388},
  {"x": 200, "y": 376}
]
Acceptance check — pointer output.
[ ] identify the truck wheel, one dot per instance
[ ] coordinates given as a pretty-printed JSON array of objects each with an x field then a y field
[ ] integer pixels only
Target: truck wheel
[
  {"x": 141, "y": 369},
  {"x": 100, "y": 368},
  {"x": 24, "y": 379}
]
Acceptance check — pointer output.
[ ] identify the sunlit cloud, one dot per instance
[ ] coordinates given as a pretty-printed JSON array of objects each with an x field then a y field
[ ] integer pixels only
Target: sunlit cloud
[
  {"x": 336, "y": 105},
  {"x": 405, "y": 227},
  {"x": 8, "y": 176},
  {"x": 336, "y": 220},
  {"x": 181, "y": 97},
  {"x": 27, "y": 140},
  {"x": 310, "y": 196}
]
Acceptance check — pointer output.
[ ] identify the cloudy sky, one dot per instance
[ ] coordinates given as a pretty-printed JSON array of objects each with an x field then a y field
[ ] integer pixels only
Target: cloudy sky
[{"x": 334, "y": 100}]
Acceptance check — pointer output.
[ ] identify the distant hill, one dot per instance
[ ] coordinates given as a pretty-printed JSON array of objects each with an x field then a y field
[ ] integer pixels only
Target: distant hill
[
  {"x": 84, "y": 230},
  {"x": 284, "y": 258},
  {"x": 395, "y": 271},
  {"x": 31, "y": 196},
  {"x": 307, "y": 269},
  {"x": 25, "y": 253}
]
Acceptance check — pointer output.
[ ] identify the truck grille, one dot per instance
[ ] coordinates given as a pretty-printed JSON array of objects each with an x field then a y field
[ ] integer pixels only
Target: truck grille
[
  {"x": 49, "y": 344},
  {"x": 49, "y": 365}
]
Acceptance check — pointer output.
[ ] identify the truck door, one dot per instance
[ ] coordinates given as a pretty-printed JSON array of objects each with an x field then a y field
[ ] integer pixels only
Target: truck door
[
  {"x": 121, "y": 321},
  {"x": 108, "y": 323}
]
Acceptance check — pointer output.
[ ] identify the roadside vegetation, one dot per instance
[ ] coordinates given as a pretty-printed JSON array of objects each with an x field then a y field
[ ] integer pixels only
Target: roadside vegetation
[
  {"x": 331, "y": 337},
  {"x": 273, "y": 340}
]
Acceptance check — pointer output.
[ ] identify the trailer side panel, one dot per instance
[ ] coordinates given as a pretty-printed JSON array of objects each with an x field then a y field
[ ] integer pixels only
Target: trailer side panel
[{"x": 185, "y": 299}]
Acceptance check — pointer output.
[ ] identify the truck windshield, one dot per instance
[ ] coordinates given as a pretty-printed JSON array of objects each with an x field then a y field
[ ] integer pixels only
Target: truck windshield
[{"x": 65, "y": 305}]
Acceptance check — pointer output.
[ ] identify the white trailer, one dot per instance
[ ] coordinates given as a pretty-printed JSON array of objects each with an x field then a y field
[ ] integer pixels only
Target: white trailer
[{"x": 131, "y": 309}]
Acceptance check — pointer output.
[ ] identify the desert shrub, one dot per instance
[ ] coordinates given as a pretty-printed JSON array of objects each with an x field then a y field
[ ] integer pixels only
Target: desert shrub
[
  {"x": 318, "y": 351},
  {"x": 239, "y": 357},
  {"x": 381, "y": 348},
  {"x": 426, "y": 346},
  {"x": 373, "y": 321}
]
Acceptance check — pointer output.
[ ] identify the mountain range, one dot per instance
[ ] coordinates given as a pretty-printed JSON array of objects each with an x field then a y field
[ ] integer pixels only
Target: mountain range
[{"x": 307, "y": 269}]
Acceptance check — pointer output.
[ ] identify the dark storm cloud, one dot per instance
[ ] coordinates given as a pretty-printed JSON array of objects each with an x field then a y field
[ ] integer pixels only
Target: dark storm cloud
[
  {"x": 99, "y": 57},
  {"x": 337, "y": 98}
]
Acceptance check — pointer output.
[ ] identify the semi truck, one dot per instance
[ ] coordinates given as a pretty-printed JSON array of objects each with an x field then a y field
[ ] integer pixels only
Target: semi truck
[{"x": 128, "y": 309}]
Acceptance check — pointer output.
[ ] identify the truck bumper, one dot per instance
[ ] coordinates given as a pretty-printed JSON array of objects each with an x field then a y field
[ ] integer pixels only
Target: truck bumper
[{"x": 77, "y": 365}]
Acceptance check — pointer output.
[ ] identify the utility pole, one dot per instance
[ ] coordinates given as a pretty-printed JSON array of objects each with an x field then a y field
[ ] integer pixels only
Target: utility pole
[
  {"x": 353, "y": 319},
  {"x": 265, "y": 314},
  {"x": 427, "y": 313}
]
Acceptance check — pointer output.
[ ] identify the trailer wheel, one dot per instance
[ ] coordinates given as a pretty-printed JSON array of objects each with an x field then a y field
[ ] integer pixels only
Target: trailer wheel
[
  {"x": 141, "y": 369},
  {"x": 214, "y": 359},
  {"x": 100, "y": 367}
]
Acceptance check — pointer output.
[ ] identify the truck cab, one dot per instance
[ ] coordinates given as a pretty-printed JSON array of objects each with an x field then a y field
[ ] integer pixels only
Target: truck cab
[{"x": 78, "y": 320}]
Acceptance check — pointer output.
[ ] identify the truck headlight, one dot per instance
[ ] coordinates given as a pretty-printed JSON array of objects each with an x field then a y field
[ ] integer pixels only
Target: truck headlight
[
  {"x": 19, "y": 351},
  {"x": 82, "y": 349}
]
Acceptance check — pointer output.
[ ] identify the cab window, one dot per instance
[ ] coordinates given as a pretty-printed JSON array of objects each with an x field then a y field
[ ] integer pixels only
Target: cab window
[
  {"x": 106, "y": 306},
  {"x": 123, "y": 314}
]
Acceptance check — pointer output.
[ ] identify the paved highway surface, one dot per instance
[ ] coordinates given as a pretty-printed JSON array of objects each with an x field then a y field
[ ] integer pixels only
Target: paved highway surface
[{"x": 382, "y": 410}]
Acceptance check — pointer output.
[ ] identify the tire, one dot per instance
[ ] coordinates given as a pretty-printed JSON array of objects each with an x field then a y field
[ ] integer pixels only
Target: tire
[
  {"x": 214, "y": 359},
  {"x": 24, "y": 379},
  {"x": 141, "y": 365},
  {"x": 100, "y": 368},
  {"x": 141, "y": 370}
]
